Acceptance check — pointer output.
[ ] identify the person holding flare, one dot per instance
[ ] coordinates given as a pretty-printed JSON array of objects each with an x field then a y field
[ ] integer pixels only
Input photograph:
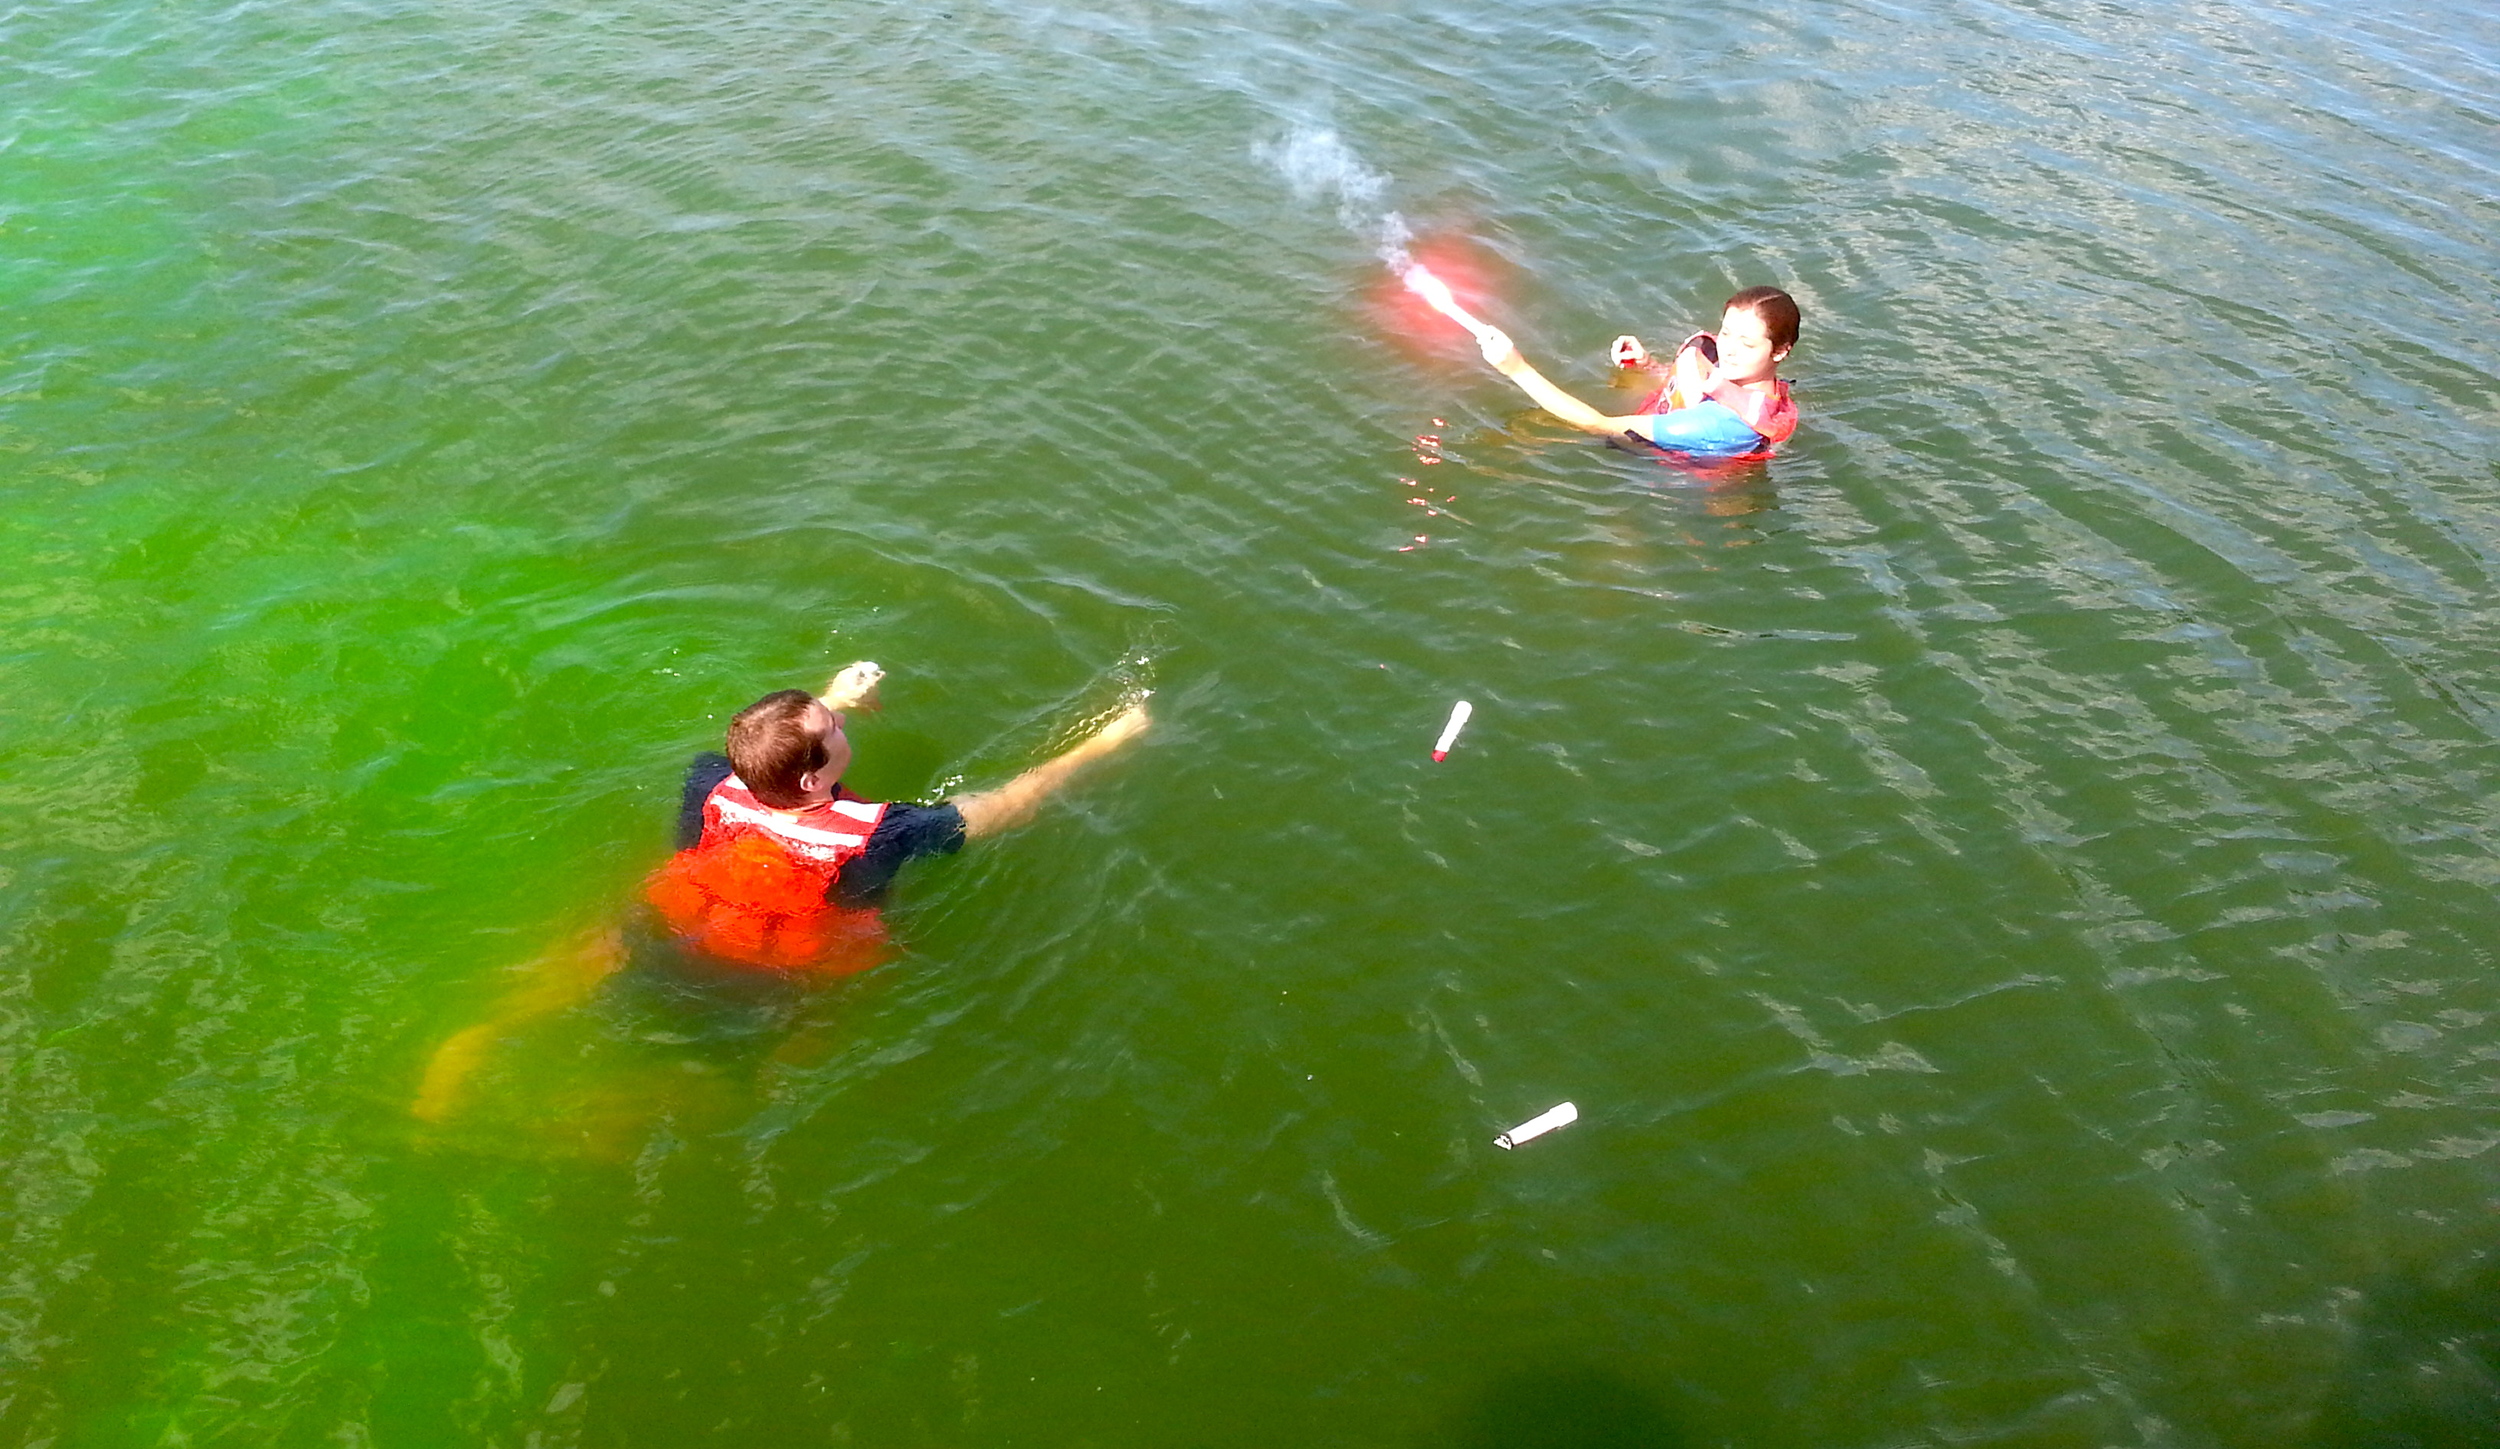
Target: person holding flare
[{"x": 1723, "y": 396}]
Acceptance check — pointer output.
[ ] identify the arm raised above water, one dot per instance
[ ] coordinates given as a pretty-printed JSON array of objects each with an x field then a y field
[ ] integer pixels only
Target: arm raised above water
[{"x": 1504, "y": 358}]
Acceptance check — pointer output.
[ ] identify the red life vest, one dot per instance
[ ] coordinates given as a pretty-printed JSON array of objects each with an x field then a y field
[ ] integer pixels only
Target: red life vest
[
  {"x": 753, "y": 889},
  {"x": 1777, "y": 419}
]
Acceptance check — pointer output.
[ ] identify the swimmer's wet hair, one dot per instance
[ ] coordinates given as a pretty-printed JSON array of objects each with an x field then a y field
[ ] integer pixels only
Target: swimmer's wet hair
[
  {"x": 1776, "y": 308},
  {"x": 771, "y": 745}
]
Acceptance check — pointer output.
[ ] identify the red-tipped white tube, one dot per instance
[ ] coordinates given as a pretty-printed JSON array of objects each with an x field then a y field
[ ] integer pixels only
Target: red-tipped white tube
[
  {"x": 1538, "y": 1125},
  {"x": 1449, "y": 732}
]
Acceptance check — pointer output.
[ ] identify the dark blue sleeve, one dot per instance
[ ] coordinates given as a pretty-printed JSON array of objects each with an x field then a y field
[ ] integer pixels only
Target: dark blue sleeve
[
  {"x": 708, "y": 770},
  {"x": 903, "y": 833}
]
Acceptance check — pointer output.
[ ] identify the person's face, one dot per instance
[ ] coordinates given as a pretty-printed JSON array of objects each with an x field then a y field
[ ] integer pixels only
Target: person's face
[
  {"x": 1745, "y": 351},
  {"x": 818, "y": 784}
]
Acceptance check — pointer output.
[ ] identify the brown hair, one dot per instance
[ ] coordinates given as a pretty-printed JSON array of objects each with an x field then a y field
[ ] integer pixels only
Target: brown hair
[
  {"x": 771, "y": 744},
  {"x": 1776, "y": 308}
]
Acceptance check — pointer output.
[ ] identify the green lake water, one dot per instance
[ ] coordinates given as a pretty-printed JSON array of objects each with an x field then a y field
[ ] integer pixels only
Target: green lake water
[{"x": 2009, "y": 884}]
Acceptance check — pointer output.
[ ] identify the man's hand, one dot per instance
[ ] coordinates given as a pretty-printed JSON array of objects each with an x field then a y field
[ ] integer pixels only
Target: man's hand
[
  {"x": 1013, "y": 803},
  {"x": 854, "y": 688},
  {"x": 1131, "y": 723},
  {"x": 1498, "y": 350}
]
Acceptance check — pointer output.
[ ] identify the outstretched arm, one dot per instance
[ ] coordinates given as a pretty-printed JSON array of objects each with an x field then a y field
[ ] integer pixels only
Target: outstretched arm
[
  {"x": 1505, "y": 359},
  {"x": 1013, "y": 803}
]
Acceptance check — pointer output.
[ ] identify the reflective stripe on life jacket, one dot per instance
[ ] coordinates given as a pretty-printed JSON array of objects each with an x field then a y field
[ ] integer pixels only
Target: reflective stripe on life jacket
[{"x": 754, "y": 888}]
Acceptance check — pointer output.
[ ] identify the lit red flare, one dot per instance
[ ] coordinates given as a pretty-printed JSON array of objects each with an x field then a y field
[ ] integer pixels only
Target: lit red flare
[{"x": 1436, "y": 295}]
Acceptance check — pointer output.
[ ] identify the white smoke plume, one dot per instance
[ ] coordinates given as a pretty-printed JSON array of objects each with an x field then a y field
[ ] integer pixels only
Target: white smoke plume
[{"x": 1319, "y": 167}]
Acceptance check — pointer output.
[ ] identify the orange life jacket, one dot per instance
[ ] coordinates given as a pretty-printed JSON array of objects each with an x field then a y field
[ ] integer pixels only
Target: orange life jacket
[{"x": 753, "y": 889}]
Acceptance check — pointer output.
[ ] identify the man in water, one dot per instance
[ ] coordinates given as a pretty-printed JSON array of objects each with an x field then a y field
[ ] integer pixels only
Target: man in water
[
  {"x": 779, "y": 866},
  {"x": 778, "y": 869}
]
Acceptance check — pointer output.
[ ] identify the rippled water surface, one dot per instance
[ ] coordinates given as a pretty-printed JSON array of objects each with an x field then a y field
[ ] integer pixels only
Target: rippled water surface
[{"x": 2009, "y": 884}]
